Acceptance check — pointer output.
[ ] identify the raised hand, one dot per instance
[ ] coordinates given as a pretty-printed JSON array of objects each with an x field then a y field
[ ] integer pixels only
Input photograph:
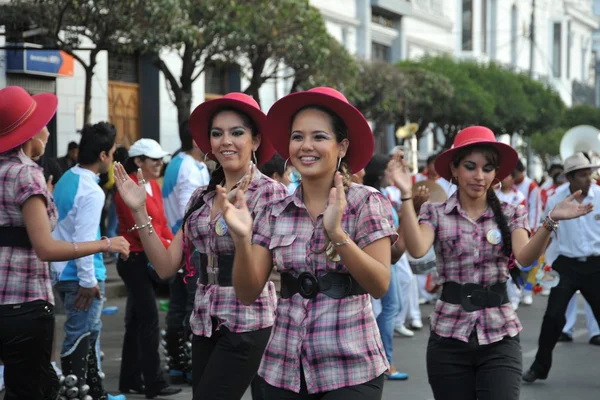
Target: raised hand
[
  {"x": 569, "y": 209},
  {"x": 236, "y": 214},
  {"x": 399, "y": 174},
  {"x": 242, "y": 185},
  {"x": 336, "y": 204},
  {"x": 134, "y": 195},
  {"x": 420, "y": 197}
]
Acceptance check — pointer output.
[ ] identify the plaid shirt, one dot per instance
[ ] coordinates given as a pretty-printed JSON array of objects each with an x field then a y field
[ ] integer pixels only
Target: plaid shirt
[
  {"x": 464, "y": 255},
  {"x": 23, "y": 276},
  {"x": 336, "y": 343},
  {"x": 213, "y": 301}
]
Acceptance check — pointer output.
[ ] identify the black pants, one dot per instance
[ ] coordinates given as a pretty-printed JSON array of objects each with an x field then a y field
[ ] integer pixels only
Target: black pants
[
  {"x": 26, "y": 333},
  {"x": 140, "y": 345},
  {"x": 574, "y": 275},
  {"x": 469, "y": 371},
  {"x": 181, "y": 302},
  {"x": 224, "y": 364},
  {"x": 372, "y": 390}
]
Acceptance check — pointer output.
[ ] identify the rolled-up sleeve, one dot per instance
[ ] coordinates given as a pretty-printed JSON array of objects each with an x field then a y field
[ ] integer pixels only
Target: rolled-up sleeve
[
  {"x": 520, "y": 220},
  {"x": 428, "y": 216},
  {"x": 374, "y": 221}
]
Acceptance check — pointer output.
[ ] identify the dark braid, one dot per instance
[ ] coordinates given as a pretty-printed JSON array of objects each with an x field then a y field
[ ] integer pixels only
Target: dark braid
[
  {"x": 494, "y": 203},
  {"x": 216, "y": 178}
]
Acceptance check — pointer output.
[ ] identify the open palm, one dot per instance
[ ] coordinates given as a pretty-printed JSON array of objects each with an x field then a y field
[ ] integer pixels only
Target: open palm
[
  {"x": 570, "y": 209},
  {"x": 133, "y": 194},
  {"x": 236, "y": 214}
]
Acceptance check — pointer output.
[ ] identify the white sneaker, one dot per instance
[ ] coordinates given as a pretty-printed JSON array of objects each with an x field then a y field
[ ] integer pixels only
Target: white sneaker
[
  {"x": 416, "y": 324},
  {"x": 527, "y": 299},
  {"x": 404, "y": 331},
  {"x": 515, "y": 305}
]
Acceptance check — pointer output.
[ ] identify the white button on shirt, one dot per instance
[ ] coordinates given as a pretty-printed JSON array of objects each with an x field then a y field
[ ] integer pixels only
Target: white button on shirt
[{"x": 579, "y": 237}]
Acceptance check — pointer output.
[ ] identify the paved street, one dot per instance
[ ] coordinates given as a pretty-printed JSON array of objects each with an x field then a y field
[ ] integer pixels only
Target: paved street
[{"x": 575, "y": 374}]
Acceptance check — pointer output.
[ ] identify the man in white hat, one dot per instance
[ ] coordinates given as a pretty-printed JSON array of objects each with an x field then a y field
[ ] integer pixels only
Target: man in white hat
[{"x": 577, "y": 246}]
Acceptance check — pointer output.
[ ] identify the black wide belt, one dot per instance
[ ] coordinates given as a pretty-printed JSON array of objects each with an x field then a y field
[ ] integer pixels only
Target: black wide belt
[
  {"x": 14, "y": 236},
  {"x": 220, "y": 274},
  {"x": 331, "y": 284},
  {"x": 474, "y": 297}
]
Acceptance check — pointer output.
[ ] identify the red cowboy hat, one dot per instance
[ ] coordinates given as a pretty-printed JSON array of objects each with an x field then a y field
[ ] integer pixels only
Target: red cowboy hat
[
  {"x": 23, "y": 116},
  {"x": 478, "y": 135},
  {"x": 201, "y": 116},
  {"x": 360, "y": 136}
]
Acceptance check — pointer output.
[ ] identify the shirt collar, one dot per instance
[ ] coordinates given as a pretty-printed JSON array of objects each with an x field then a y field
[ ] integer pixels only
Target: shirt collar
[
  {"x": 254, "y": 183},
  {"x": 297, "y": 199},
  {"x": 86, "y": 172},
  {"x": 453, "y": 204}
]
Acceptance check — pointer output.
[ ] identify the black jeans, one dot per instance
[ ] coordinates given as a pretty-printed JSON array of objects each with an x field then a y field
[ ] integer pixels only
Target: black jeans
[
  {"x": 469, "y": 371},
  {"x": 574, "y": 275},
  {"x": 224, "y": 364},
  {"x": 372, "y": 390},
  {"x": 26, "y": 333},
  {"x": 178, "y": 295},
  {"x": 140, "y": 345}
]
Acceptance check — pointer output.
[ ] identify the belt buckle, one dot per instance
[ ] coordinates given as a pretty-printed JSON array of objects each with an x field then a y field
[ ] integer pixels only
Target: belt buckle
[
  {"x": 470, "y": 292},
  {"x": 582, "y": 259},
  {"x": 308, "y": 285}
]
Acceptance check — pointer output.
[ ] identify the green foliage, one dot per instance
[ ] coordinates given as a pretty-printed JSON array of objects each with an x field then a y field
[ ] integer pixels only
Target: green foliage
[
  {"x": 581, "y": 115},
  {"x": 547, "y": 144},
  {"x": 547, "y": 105}
]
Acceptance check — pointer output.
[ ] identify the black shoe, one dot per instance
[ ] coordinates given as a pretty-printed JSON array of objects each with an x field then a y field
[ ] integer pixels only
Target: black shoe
[
  {"x": 595, "y": 340},
  {"x": 136, "y": 390},
  {"x": 565, "y": 338},
  {"x": 531, "y": 376},
  {"x": 166, "y": 391}
]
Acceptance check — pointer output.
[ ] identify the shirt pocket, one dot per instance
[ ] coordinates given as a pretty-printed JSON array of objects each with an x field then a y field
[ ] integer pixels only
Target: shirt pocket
[
  {"x": 283, "y": 251},
  {"x": 450, "y": 244}
]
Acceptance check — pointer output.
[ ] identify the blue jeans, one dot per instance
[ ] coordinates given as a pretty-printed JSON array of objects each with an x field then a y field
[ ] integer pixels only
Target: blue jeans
[
  {"x": 391, "y": 304},
  {"x": 79, "y": 322}
]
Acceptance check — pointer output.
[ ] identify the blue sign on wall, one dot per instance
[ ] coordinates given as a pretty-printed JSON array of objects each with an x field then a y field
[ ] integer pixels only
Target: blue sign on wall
[{"x": 40, "y": 62}]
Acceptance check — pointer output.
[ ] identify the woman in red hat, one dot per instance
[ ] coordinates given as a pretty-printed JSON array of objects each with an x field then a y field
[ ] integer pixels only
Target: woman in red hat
[
  {"x": 331, "y": 241},
  {"x": 474, "y": 350},
  {"x": 27, "y": 217},
  {"x": 229, "y": 337}
]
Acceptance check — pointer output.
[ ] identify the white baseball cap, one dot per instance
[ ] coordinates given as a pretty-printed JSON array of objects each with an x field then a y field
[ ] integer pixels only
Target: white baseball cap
[{"x": 147, "y": 147}]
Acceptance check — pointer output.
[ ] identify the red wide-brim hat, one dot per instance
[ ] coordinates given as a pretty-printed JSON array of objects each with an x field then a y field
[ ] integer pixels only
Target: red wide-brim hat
[
  {"x": 360, "y": 135},
  {"x": 23, "y": 116},
  {"x": 202, "y": 115},
  {"x": 478, "y": 135}
]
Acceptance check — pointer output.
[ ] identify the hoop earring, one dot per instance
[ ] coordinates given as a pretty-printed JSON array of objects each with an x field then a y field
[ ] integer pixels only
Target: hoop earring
[
  {"x": 339, "y": 162},
  {"x": 206, "y": 157},
  {"x": 254, "y": 158},
  {"x": 454, "y": 180},
  {"x": 285, "y": 164}
]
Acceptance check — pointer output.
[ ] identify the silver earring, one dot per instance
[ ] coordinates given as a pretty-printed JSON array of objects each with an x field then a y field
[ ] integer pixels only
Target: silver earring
[
  {"x": 339, "y": 162},
  {"x": 206, "y": 157},
  {"x": 254, "y": 158},
  {"x": 285, "y": 164}
]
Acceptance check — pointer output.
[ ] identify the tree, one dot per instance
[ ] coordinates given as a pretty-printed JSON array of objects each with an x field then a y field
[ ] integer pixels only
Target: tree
[
  {"x": 581, "y": 115},
  {"x": 548, "y": 105},
  {"x": 108, "y": 24},
  {"x": 547, "y": 144},
  {"x": 268, "y": 34}
]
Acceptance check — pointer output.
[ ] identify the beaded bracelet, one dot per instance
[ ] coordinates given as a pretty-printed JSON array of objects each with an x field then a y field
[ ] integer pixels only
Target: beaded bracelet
[
  {"x": 550, "y": 225},
  {"x": 146, "y": 225}
]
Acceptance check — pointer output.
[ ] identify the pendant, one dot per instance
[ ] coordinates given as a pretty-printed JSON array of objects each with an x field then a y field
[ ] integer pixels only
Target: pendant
[
  {"x": 332, "y": 254},
  {"x": 221, "y": 227}
]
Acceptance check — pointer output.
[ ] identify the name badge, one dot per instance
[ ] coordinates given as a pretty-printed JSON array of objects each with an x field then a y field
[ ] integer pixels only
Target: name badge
[{"x": 494, "y": 236}]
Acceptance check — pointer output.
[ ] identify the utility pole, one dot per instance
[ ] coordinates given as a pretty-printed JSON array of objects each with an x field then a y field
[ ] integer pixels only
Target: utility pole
[{"x": 531, "y": 68}]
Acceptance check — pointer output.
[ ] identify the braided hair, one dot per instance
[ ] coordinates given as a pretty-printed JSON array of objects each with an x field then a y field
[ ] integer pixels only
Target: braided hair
[
  {"x": 218, "y": 175},
  {"x": 493, "y": 201},
  {"x": 341, "y": 132}
]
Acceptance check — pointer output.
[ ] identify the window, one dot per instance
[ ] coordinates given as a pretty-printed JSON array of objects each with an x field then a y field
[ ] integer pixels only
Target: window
[
  {"x": 583, "y": 58},
  {"x": 556, "y": 49},
  {"x": 382, "y": 20},
  {"x": 380, "y": 52},
  {"x": 568, "y": 49},
  {"x": 467, "y": 25},
  {"x": 514, "y": 29},
  {"x": 215, "y": 79},
  {"x": 484, "y": 26}
]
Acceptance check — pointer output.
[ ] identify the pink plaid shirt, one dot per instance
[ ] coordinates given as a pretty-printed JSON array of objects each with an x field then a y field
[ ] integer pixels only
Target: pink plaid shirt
[
  {"x": 464, "y": 255},
  {"x": 23, "y": 276},
  {"x": 336, "y": 343},
  {"x": 214, "y": 301}
]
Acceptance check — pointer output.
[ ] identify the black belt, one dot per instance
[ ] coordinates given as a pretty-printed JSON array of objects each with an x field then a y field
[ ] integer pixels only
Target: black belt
[
  {"x": 332, "y": 284},
  {"x": 220, "y": 275},
  {"x": 14, "y": 236},
  {"x": 473, "y": 296}
]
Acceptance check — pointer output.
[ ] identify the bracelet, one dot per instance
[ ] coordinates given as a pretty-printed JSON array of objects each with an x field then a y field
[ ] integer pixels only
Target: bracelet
[
  {"x": 343, "y": 242},
  {"x": 107, "y": 242},
  {"x": 406, "y": 199},
  {"x": 146, "y": 225},
  {"x": 550, "y": 225}
]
